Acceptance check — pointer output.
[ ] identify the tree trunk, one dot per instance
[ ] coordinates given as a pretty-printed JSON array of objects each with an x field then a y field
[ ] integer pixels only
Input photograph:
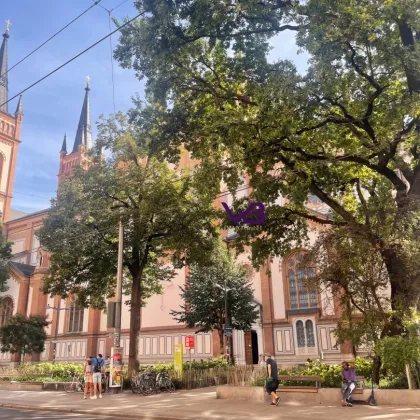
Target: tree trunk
[
  {"x": 220, "y": 332},
  {"x": 376, "y": 369},
  {"x": 135, "y": 322},
  {"x": 404, "y": 290}
]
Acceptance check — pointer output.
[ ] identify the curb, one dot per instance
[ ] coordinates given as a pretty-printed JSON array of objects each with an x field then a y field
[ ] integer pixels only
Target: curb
[{"x": 88, "y": 412}]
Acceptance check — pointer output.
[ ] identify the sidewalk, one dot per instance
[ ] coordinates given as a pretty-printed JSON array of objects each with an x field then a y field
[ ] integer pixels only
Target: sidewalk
[{"x": 189, "y": 405}]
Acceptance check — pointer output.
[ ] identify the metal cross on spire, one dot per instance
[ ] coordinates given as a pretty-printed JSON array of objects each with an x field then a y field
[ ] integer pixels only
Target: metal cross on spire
[
  {"x": 8, "y": 23},
  {"x": 87, "y": 81}
]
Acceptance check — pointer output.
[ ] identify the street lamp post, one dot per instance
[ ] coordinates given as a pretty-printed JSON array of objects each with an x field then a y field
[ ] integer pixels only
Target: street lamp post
[
  {"x": 229, "y": 344},
  {"x": 58, "y": 309}
]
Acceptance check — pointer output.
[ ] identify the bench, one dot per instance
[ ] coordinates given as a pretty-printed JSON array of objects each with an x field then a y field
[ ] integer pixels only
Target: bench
[
  {"x": 300, "y": 388},
  {"x": 360, "y": 385}
]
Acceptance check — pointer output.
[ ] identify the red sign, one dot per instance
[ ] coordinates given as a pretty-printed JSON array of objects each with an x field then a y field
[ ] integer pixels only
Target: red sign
[{"x": 189, "y": 342}]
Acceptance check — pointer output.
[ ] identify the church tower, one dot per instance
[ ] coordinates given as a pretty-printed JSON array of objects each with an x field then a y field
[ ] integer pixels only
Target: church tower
[
  {"x": 9, "y": 133},
  {"x": 82, "y": 142}
]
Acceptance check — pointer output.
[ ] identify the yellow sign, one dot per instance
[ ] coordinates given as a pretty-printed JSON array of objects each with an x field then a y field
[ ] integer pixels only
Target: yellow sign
[{"x": 178, "y": 358}]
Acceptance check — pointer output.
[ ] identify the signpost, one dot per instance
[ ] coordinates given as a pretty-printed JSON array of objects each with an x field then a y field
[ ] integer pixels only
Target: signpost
[
  {"x": 116, "y": 371},
  {"x": 189, "y": 344},
  {"x": 228, "y": 331},
  {"x": 228, "y": 334},
  {"x": 178, "y": 359}
]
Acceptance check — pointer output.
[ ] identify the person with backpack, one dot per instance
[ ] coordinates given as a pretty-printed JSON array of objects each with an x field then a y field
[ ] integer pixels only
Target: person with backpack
[{"x": 98, "y": 364}]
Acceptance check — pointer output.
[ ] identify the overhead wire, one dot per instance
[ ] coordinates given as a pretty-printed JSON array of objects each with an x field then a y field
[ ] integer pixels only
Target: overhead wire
[
  {"x": 109, "y": 11},
  {"x": 74, "y": 58},
  {"x": 52, "y": 37}
]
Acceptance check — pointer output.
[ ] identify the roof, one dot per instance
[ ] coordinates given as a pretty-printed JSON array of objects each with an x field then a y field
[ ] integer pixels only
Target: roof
[
  {"x": 26, "y": 269},
  {"x": 84, "y": 134},
  {"x": 64, "y": 146},
  {"x": 16, "y": 214},
  {"x": 3, "y": 74},
  {"x": 27, "y": 215}
]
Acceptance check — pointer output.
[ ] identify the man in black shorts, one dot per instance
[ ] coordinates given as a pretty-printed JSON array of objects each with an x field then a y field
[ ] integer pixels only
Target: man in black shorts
[{"x": 272, "y": 380}]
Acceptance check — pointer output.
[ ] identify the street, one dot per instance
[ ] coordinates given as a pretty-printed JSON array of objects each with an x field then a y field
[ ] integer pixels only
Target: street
[
  {"x": 182, "y": 405},
  {"x": 6, "y": 413}
]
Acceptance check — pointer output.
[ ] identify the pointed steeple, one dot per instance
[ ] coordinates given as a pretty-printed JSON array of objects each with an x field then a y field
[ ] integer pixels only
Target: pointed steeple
[
  {"x": 64, "y": 146},
  {"x": 19, "y": 108},
  {"x": 84, "y": 134},
  {"x": 3, "y": 70}
]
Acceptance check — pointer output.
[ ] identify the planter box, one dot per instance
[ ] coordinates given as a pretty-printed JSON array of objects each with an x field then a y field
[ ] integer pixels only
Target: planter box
[
  {"x": 327, "y": 396},
  {"x": 32, "y": 386},
  {"x": 21, "y": 386},
  {"x": 241, "y": 393}
]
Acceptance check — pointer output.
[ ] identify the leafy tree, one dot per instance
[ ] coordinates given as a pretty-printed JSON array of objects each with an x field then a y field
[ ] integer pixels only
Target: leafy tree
[
  {"x": 24, "y": 335},
  {"x": 353, "y": 271},
  {"x": 345, "y": 131},
  {"x": 399, "y": 351},
  {"x": 5, "y": 255},
  {"x": 161, "y": 213},
  {"x": 204, "y": 296}
]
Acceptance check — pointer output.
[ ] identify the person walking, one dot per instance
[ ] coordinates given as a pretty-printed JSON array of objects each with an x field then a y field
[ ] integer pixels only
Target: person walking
[
  {"x": 272, "y": 382},
  {"x": 98, "y": 366},
  {"x": 88, "y": 371}
]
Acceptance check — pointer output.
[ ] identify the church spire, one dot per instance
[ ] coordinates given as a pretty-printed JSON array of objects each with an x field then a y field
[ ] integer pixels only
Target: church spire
[
  {"x": 19, "y": 108},
  {"x": 3, "y": 70},
  {"x": 84, "y": 134},
  {"x": 64, "y": 146}
]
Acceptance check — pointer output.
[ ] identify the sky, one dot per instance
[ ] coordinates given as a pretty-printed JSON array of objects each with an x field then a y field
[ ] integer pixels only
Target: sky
[{"x": 52, "y": 108}]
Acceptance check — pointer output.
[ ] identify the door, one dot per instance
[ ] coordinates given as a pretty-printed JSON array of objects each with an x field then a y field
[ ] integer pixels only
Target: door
[{"x": 248, "y": 348}]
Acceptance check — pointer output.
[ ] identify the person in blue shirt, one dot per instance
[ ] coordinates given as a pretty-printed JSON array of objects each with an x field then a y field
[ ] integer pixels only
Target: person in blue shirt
[{"x": 98, "y": 364}]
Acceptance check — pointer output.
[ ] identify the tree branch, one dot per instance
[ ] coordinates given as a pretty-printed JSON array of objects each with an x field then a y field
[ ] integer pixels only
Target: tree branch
[{"x": 363, "y": 202}]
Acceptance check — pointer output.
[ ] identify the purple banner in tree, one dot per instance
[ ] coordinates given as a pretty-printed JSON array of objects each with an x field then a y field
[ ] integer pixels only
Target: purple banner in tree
[{"x": 253, "y": 215}]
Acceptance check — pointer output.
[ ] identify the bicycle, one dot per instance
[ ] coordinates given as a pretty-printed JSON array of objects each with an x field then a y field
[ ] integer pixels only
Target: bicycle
[
  {"x": 164, "y": 381},
  {"x": 143, "y": 383},
  {"x": 77, "y": 384}
]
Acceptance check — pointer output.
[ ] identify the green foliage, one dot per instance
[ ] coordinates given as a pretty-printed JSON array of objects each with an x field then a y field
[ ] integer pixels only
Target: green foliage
[
  {"x": 162, "y": 214},
  {"x": 24, "y": 335},
  {"x": 398, "y": 351},
  {"x": 31, "y": 372},
  {"x": 5, "y": 255},
  {"x": 394, "y": 382},
  {"x": 204, "y": 365},
  {"x": 343, "y": 131},
  {"x": 60, "y": 370},
  {"x": 204, "y": 295}
]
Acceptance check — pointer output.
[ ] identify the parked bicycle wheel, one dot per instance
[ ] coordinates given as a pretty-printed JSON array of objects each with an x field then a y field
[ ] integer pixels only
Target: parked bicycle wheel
[
  {"x": 147, "y": 386},
  {"x": 169, "y": 385},
  {"x": 81, "y": 385},
  {"x": 104, "y": 383},
  {"x": 135, "y": 386},
  {"x": 70, "y": 387}
]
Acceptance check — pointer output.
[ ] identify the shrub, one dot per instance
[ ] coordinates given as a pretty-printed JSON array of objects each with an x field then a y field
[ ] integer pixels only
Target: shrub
[{"x": 30, "y": 372}]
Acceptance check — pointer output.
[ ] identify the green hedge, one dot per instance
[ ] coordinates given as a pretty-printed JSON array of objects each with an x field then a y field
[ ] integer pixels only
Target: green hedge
[
  {"x": 209, "y": 364},
  {"x": 30, "y": 372},
  {"x": 330, "y": 374}
]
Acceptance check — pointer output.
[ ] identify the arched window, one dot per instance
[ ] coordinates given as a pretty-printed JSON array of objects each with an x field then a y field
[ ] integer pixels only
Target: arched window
[
  {"x": 6, "y": 311},
  {"x": 310, "y": 337},
  {"x": 302, "y": 293},
  {"x": 305, "y": 336},
  {"x": 75, "y": 318},
  {"x": 300, "y": 333}
]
